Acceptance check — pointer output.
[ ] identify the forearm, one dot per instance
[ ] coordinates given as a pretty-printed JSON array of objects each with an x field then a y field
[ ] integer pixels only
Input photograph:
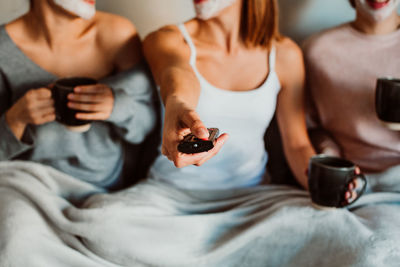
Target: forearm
[
  {"x": 16, "y": 127},
  {"x": 298, "y": 158},
  {"x": 15, "y": 137},
  {"x": 181, "y": 84},
  {"x": 296, "y": 143},
  {"x": 10, "y": 145}
]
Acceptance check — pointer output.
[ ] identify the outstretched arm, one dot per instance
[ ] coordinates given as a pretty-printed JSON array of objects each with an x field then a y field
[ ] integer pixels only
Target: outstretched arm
[{"x": 168, "y": 56}]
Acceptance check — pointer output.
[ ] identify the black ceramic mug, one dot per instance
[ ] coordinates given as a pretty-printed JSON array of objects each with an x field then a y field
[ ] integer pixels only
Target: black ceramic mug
[
  {"x": 60, "y": 91},
  {"x": 387, "y": 102},
  {"x": 329, "y": 179}
]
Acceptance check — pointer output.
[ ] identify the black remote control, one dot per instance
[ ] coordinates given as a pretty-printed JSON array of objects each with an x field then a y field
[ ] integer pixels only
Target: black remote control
[{"x": 191, "y": 144}]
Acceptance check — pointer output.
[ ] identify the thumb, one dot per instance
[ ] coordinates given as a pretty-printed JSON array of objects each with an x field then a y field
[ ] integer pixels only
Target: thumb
[{"x": 192, "y": 120}]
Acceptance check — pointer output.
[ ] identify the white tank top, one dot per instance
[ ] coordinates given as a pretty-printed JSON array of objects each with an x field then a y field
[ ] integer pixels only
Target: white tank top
[{"x": 245, "y": 116}]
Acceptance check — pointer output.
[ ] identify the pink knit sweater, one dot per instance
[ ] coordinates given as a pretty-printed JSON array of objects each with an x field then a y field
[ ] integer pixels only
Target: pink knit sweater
[{"x": 342, "y": 67}]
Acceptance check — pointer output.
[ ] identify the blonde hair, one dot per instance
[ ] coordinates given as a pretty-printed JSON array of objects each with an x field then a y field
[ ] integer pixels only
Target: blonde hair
[{"x": 259, "y": 23}]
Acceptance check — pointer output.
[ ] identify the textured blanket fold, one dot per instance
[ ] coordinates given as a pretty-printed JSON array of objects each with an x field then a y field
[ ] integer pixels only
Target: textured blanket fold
[{"x": 48, "y": 218}]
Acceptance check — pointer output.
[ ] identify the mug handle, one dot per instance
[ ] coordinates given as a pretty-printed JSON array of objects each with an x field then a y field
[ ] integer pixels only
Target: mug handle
[{"x": 359, "y": 192}]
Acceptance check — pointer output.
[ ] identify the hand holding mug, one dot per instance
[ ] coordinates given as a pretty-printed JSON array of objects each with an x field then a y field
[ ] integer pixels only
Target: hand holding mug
[
  {"x": 334, "y": 182},
  {"x": 79, "y": 100},
  {"x": 35, "y": 107},
  {"x": 97, "y": 102}
]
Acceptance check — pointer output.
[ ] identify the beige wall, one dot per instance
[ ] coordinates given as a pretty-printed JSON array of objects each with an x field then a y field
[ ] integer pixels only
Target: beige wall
[
  {"x": 149, "y": 15},
  {"x": 299, "y": 18},
  {"x": 10, "y": 9}
]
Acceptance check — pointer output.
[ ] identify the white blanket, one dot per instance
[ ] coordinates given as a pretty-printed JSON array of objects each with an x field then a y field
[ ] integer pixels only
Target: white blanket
[{"x": 50, "y": 219}]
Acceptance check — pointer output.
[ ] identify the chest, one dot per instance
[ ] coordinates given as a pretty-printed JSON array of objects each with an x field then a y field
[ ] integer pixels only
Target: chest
[
  {"x": 78, "y": 59},
  {"x": 357, "y": 67},
  {"x": 237, "y": 112},
  {"x": 347, "y": 81},
  {"x": 241, "y": 71}
]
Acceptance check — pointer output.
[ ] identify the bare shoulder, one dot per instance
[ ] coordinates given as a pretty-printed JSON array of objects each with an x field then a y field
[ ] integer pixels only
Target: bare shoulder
[
  {"x": 17, "y": 30},
  {"x": 289, "y": 62},
  {"x": 118, "y": 37},
  {"x": 13, "y": 25},
  {"x": 114, "y": 29},
  {"x": 288, "y": 52},
  {"x": 166, "y": 44},
  {"x": 169, "y": 35}
]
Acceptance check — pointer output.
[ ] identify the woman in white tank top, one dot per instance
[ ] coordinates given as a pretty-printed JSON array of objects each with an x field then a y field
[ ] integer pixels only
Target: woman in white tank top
[{"x": 228, "y": 68}]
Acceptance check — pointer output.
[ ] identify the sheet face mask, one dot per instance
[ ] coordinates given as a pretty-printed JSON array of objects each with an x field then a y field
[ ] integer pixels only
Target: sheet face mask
[
  {"x": 377, "y": 14},
  {"x": 210, "y": 8},
  {"x": 78, "y": 7}
]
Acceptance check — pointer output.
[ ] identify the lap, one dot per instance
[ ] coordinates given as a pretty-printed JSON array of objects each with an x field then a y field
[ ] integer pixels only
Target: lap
[
  {"x": 162, "y": 225},
  {"x": 157, "y": 224}
]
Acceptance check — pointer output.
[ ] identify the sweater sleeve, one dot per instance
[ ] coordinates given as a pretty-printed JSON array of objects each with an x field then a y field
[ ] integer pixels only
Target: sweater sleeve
[
  {"x": 10, "y": 146},
  {"x": 134, "y": 113}
]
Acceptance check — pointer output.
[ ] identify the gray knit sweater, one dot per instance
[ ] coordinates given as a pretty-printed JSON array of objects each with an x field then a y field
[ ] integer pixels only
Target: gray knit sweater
[{"x": 94, "y": 156}]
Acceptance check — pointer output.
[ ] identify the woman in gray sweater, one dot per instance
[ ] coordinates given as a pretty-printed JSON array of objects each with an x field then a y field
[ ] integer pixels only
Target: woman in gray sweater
[{"x": 64, "y": 38}]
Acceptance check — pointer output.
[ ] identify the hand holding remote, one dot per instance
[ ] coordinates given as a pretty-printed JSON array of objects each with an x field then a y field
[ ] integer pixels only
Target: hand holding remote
[
  {"x": 180, "y": 121},
  {"x": 192, "y": 145}
]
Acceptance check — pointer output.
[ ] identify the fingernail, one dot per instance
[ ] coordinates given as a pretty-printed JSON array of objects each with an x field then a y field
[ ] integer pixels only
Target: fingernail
[
  {"x": 77, "y": 89},
  {"x": 202, "y": 131},
  {"x": 351, "y": 186}
]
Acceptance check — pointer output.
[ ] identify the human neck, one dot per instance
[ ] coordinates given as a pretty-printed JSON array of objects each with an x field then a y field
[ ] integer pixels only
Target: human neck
[
  {"x": 49, "y": 22},
  {"x": 225, "y": 28},
  {"x": 368, "y": 26}
]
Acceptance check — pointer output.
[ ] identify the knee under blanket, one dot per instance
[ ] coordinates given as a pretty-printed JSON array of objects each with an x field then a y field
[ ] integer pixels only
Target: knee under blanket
[{"x": 48, "y": 218}]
